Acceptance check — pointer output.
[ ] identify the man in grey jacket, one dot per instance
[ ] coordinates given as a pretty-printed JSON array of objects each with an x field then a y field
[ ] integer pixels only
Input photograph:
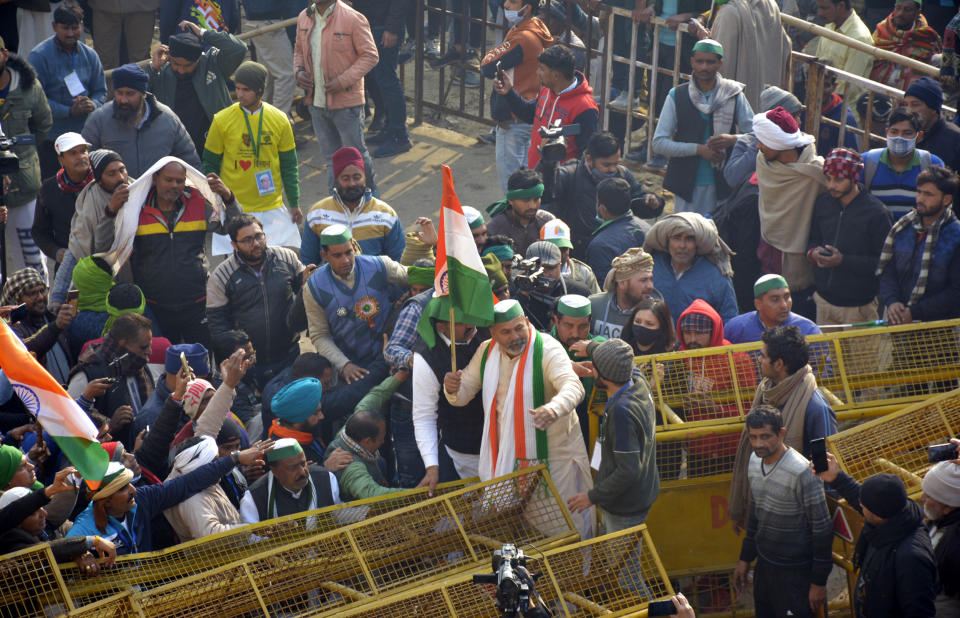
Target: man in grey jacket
[{"x": 137, "y": 126}]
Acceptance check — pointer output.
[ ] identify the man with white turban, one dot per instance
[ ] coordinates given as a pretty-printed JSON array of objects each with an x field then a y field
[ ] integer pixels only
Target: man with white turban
[{"x": 790, "y": 177}]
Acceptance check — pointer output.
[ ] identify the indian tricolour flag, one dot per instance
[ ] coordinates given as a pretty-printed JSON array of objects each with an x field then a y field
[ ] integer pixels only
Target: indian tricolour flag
[
  {"x": 56, "y": 411},
  {"x": 459, "y": 271}
]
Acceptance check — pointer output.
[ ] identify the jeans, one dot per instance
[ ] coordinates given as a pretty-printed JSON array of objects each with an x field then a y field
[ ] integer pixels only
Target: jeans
[
  {"x": 512, "y": 145},
  {"x": 339, "y": 128},
  {"x": 384, "y": 74}
]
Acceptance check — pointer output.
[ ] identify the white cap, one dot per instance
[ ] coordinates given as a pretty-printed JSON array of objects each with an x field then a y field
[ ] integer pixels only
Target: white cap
[
  {"x": 13, "y": 494},
  {"x": 69, "y": 141}
]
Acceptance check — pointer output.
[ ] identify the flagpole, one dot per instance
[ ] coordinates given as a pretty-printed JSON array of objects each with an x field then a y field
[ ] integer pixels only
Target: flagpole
[{"x": 453, "y": 342}]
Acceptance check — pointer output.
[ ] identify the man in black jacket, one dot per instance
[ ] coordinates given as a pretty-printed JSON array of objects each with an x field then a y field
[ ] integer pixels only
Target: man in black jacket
[
  {"x": 847, "y": 231},
  {"x": 941, "y": 506},
  {"x": 56, "y": 203},
  {"x": 924, "y": 97},
  {"x": 898, "y": 571},
  {"x": 571, "y": 192},
  {"x": 255, "y": 290}
]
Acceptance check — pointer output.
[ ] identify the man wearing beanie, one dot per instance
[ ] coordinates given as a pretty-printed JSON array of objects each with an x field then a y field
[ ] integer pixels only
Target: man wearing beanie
[
  {"x": 141, "y": 129},
  {"x": 192, "y": 80},
  {"x": 941, "y": 506},
  {"x": 924, "y": 97},
  {"x": 333, "y": 52},
  {"x": 893, "y": 554},
  {"x": 625, "y": 456},
  {"x": 23, "y": 111},
  {"x": 250, "y": 145},
  {"x": 61, "y": 56},
  {"x": 374, "y": 223},
  {"x": 789, "y": 532}
]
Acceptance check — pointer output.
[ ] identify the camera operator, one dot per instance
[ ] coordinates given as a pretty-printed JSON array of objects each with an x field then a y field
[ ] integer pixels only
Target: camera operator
[
  {"x": 565, "y": 96},
  {"x": 573, "y": 185},
  {"x": 537, "y": 283}
]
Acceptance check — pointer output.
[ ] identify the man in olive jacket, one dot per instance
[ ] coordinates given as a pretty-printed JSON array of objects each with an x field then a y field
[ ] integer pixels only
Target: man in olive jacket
[
  {"x": 24, "y": 113},
  {"x": 193, "y": 82},
  {"x": 627, "y": 481}
]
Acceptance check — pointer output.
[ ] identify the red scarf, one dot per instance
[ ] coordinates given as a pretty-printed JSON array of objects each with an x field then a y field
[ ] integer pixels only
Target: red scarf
[
  {"x": 67, "y": 186},
  {"x": 835, "y": 100}
]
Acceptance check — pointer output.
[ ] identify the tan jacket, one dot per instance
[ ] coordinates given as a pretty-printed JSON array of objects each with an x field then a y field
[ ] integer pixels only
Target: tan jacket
[
  {"x": 202, "y": 514},
  {"x": 348, "y": 53},
  {"x": 91, "y": 230}
]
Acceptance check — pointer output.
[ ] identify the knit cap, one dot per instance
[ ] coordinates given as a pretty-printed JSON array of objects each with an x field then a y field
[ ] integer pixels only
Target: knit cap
[
  {"x": 884, "y": 494},
  {"x": 942, "y": 483},
  {"x": 251, "y": 74},
  {"x": 927, "y": 90},
  {"x": 613, "y": 359}
]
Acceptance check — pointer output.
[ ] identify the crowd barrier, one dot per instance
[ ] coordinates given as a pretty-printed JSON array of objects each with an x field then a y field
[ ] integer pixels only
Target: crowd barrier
[
  {"x": 897, "y": 443},
  {"x": 613, "y": 575}
]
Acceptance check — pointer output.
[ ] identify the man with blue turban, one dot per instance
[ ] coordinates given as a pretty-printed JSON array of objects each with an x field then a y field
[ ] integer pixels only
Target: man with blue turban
[{"x": 296, "y": 408}]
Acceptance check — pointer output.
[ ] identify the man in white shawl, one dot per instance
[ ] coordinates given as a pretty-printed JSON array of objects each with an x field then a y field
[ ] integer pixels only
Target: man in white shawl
[
  {"x": 530, "y": 395},
  {"x": 790, "y": 177}
]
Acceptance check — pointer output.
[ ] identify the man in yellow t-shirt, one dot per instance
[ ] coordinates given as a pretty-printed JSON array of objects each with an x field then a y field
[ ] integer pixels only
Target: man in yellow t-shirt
[{"x": 250, "y": 146}]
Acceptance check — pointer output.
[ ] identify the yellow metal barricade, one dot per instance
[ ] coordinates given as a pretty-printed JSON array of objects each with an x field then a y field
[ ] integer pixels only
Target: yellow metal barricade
[
  {"x": 897, "y": 442},
  {"x": 30, "y": 584},
  {"x": 390, "y": 552},
  {"x": 613, "y": 575}
]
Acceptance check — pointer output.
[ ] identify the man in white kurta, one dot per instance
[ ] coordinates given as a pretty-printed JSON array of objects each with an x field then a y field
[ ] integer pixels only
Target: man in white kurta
[{"x": 512, "y": 344}]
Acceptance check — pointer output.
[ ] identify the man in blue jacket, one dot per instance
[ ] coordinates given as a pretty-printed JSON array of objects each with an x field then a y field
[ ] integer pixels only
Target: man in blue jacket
[
  {"x": 121, "y": 513},
  {"x": 620, "y": 228},
  {"x": 72, "y": 78}
]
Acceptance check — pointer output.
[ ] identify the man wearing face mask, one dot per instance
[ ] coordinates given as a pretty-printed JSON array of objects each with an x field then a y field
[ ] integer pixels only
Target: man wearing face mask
[
  {"x": 576, "y": 183},
  {"x": 890, "y": 174},
  {"x": 123, "y": 355},
  {"x": 435, "y": 420},
  {"x": 517, "y": 57}
]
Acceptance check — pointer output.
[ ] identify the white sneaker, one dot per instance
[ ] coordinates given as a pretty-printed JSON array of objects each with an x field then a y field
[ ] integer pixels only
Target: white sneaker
[
  {"x": 621, "y": 101},
  {"x": 432, "y": 48}
]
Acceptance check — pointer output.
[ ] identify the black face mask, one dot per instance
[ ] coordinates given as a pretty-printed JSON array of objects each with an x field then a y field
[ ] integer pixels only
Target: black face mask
[
  {"x": 643, "y": 335},
  {"x": 351, "y": 194}
]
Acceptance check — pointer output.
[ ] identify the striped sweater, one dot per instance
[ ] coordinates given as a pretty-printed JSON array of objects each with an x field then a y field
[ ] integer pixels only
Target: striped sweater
[
  {"x": 897, "y": 190},
  {"x": 789, "y": 525}
]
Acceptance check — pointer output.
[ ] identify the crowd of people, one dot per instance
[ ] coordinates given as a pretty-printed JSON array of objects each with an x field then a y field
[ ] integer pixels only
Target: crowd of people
[{"x": 188, "y": 353}]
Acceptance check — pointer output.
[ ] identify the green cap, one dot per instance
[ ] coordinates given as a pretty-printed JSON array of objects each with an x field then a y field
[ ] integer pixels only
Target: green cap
[
  {"x": 283, "y": 448},
  {"x": 574, "y": 305},
  {"x": 474, "y": 217},
  {"x": 506, "y": 310},
  {"x": 768, "y": 282},
  {"x": 335, "y": 234},
  {"x": 503, "y": 252},
  {"x": 710, "y": 46},
  {"x": 420, "y": 275}
]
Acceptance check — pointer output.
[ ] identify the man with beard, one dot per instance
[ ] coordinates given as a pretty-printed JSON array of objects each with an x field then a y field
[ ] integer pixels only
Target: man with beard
[
  {"x": 789, "y": 531},
  {"x": 789, "y": 385},
  {"x": 630, "y": 280},
  {"x": 347, "y": 303},
  {"x": 123, "y": 353},
  {"x": 847, "y": 231},
  {"x": 43, "y": 332},
  {"x": 141, "y": 129},
  {"x": 529, "y": 392},
  {"x": 772, "y": 299},
  {"x": 255, "y": 290},
  {"x": 23, "y": 111},
  {"x": 434, "y": 418},
  {"x": 571, "y": 327},
  {"x": 297, "y": 415},
  {"x": 905, "y": 31},
  {"x": 373, "y": 223},
  {"x": 251, "y": 145},
  {"x": 72, "y": 79},
  {"x": 941, "y": 506},
  {"x": 56, "y": 203},
  {"x": 288, "y": 469},
  {"x": 167, "y": 258},
  {"x": 193, "y": 82},
  {"x": 519, "y": 216}
]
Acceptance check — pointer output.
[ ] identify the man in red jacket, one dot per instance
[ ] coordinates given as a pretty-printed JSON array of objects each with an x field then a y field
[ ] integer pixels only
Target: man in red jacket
[{"x": 565, "y": 96}]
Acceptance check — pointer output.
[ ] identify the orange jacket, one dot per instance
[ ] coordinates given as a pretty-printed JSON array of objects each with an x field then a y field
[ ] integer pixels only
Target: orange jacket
[
  {"x": 348, "y": 53},
  {"x": 532, "y": 37}
]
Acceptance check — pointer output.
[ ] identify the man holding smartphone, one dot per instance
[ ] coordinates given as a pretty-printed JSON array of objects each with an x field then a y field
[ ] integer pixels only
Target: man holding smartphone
[{"x": 789, "y": 532}]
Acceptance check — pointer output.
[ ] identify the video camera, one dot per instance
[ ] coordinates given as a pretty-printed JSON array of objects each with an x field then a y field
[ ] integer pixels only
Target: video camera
[
  {"x": 529, "y": 277},
  {"x": 553, "y": 143},
  {"x": 514, "y": 587},
  {"x": 9, "y": 161}
]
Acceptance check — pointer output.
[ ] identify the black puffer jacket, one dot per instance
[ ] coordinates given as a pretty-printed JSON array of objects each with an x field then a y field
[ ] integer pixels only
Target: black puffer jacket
[
  {"x": 263, "y": 307},
  {"x": 898, "y": 572},
  {"x": 572, "y": 197}
]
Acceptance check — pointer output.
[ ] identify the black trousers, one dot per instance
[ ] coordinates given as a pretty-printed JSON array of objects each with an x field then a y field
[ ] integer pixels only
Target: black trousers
[
  {"x": 779, "y": 592},
  {"x": 186, "y": 325}
]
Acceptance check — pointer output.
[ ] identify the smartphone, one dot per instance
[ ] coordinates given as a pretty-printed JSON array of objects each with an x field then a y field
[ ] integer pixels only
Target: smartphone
[
  {"x": 826, "y": 252},
  {"x": 818, "y": 452},
  {"x": 183, "y": 361},
  {"x": 941, "y": 452},
  {"x": 661, "y": 608},
  {"x": 499, "y": 70},
  {"x": 19, "y": 314},
  {"x": 73, "y": 296}
]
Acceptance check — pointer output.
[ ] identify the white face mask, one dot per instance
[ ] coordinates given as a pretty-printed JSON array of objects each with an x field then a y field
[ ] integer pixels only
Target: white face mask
[{"x": 512, "y": 17}]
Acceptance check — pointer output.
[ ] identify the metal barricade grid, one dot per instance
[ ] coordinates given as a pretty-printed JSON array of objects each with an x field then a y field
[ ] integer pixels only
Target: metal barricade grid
[
  {"x": 896, "y": 443},
  {"x": 30, "y": 584},
  {"x": 614, "y": 574},
  {"x": 118, "y": 606}
]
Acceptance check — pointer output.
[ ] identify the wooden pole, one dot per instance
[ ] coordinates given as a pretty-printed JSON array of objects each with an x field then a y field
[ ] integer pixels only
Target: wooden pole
[{"x": 453, "y": 342}]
